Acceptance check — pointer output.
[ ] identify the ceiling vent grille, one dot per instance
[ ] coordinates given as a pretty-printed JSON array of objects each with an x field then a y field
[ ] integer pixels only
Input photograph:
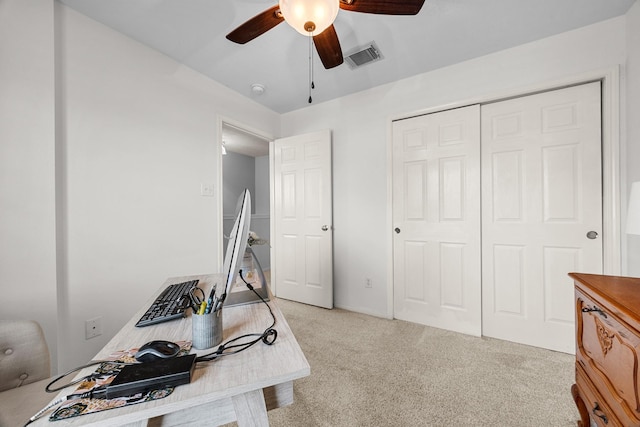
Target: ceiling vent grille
[{"x": 363, "y": 56}]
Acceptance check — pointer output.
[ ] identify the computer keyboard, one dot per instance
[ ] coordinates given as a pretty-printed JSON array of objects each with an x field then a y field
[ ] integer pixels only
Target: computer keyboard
[{"x": 170, "y": 304}]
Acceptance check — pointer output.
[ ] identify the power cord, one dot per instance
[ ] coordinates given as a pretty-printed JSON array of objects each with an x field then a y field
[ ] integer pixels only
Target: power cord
[
  {"x": 85, "y": 378},
  {"x": 233, "y": 346},
  {"x": 96, "y": 393}
]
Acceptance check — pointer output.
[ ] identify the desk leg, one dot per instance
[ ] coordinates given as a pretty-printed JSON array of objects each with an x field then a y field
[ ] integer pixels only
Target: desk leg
[{"x": 251, "y": 409}]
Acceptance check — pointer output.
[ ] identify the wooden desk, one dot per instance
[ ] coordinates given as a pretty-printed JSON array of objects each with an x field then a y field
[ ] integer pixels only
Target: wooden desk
[{"x": 240, "y": 387}]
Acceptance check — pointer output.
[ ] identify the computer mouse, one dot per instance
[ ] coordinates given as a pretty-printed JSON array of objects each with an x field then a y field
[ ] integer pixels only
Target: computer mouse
[{"x": 157, "y": 349}]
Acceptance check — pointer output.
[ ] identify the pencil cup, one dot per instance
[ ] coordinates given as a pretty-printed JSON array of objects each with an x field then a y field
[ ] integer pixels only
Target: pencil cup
[{"x": 206, "y": 329}]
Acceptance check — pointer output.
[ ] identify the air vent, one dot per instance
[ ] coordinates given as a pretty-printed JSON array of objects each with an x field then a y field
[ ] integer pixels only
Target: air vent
[{"x": 362, "y": 56}]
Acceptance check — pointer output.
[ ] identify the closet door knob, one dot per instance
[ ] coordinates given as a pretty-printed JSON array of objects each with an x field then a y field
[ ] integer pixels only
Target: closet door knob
[
  {"x": 325, "y": 228},
  {"x": 397, "y": 230},
  {"x": 592, "y": 235}
]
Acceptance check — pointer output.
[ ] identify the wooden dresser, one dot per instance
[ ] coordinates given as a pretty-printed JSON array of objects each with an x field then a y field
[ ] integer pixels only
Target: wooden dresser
[{"x": 607, "y": 390}]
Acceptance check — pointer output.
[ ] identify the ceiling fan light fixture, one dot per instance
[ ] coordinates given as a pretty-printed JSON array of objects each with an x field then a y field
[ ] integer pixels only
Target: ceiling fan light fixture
[{"x": 309, "y": 16}]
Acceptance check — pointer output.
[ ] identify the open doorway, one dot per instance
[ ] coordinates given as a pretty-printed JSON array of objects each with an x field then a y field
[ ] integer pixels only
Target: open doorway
[{"x": 245, "y": 164}]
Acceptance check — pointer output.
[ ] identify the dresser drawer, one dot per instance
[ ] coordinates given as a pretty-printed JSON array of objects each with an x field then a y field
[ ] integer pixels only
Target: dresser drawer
[
  {"x": 599, "y": 412},
  {"x": 609, "y": 354}
]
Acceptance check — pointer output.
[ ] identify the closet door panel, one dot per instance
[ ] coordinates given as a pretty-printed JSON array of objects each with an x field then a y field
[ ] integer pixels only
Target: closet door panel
[{"x": 541, "y": 196}]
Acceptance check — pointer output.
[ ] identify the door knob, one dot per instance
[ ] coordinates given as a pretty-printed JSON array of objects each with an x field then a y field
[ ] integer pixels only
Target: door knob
[
  {"x": 325, "y": 228},
  {"x": 592, "y": 235},
  {"x": 397, "y": 230}
]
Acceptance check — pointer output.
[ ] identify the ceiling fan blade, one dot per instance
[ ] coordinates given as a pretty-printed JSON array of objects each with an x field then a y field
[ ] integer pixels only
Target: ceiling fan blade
[
  {"x": 328, "y": 47},
  {"x": 256, "y": 26},
  {"x": 383, "y": 7}
]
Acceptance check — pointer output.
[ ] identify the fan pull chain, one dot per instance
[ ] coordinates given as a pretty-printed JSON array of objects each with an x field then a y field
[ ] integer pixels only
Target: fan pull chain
[{"x": 311, "y": 84}]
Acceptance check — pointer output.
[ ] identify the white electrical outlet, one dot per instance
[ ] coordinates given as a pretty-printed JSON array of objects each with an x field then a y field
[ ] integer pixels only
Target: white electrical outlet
[
  {"x": 93, "y": 327},
  {"x": 367, "y": 283}
]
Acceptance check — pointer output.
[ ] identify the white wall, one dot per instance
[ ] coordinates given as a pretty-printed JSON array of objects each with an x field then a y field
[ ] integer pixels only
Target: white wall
[
  {"x": 140, "y": 136},
  {"x": 27, "y": 167},
  {"x": 633, "y": 124},
  {"x": 239, "y": 172},
  {"x": 261, "y": 221},
  {"x": 262, "y": 202},
  {"x": 135, "y": 135},
  {"x": 361, "y": 137}
]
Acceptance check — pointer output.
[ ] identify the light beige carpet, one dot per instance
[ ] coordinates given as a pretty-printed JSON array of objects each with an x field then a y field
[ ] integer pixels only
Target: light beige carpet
[{"x": 367, "y": 371}]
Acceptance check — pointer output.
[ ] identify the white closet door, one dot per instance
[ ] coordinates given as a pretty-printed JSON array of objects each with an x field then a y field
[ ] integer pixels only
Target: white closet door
[
  {"x": 542, "y": 212},
  {"x": 436, "y": 216}
]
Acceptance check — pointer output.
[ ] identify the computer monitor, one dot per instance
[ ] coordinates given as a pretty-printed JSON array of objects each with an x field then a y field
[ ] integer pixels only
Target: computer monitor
[
  {"x": 260, "y": 290},
  {"x": 237, "y": 243},
  {"x": 237, "y": 250}
]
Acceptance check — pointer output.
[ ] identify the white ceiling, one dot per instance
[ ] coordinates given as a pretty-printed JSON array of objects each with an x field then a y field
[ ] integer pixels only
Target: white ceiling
[{"x": 443, "y": 33}]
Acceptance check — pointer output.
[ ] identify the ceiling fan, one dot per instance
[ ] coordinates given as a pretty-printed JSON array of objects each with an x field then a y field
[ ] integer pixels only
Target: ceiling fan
[{"x": 315, "y": 18}]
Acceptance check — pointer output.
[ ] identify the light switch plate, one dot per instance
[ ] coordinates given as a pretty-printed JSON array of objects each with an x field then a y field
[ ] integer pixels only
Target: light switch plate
[{"x": 206, "y": 189}]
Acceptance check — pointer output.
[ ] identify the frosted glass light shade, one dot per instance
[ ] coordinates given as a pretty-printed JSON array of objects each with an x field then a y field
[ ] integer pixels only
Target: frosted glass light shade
[
  {"x": 299, "y": 13},
  {"x": 633, "y": 214}
]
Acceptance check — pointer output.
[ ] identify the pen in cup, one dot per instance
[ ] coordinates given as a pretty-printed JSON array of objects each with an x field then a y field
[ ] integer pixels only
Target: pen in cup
[
  {"x": 218, "y": 304},
  {"x": 203, "y": 307},
  {"x": 212, "y": 299}
]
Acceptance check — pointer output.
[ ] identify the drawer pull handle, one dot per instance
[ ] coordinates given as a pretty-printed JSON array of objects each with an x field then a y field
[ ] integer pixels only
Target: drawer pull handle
[
  {"x": 596, "y": 309},
  {"x": 598, "y": 413}
]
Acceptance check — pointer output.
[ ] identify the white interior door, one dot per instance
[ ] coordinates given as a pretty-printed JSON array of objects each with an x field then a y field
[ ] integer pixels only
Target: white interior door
[
  {"x": 303, "y": 236},
  {"x": 436, "y": 215},
  {"x": 542, "y": 212}
]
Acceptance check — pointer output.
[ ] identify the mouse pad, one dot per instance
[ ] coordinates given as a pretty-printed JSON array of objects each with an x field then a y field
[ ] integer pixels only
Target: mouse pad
[{"x": 104, "y": 374}]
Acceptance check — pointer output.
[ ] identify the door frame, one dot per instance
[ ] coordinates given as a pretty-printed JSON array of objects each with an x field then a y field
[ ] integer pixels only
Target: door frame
[
  {"x": 219, "y": 185},
  {"x": 610, "y": 80}
]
